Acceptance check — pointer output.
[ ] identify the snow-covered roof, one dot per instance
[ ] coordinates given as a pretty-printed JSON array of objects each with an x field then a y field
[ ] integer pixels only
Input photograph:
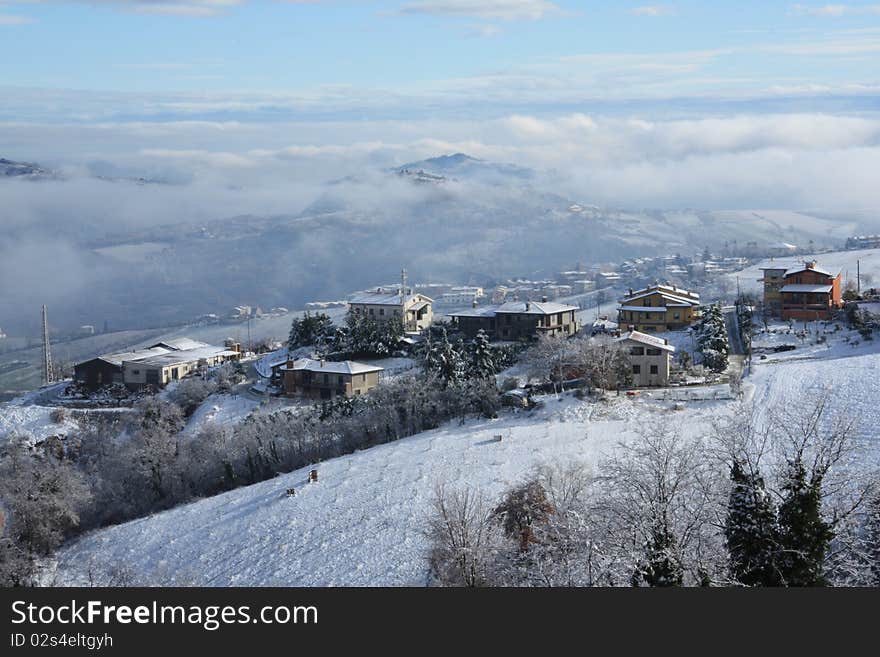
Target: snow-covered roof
[
  {"x": 332, "y": 367},
  {"x": 534, "y": 308},
  {"x": 183, "y": 356},
  {"x": 645, "y": 339},
  {"x": 131, "y": 356},
  {"x": 803, "y": 268},
  {"x": 181, "y": 344},
  {"x": 674, "y": 294},
  {"x": 643, "y": 309},
  {"x": 387, "y": 299},
  {"x": 806, "y": 288},
  {"x": 481, "y": 311},
  {"x": 517, "y": 308}
]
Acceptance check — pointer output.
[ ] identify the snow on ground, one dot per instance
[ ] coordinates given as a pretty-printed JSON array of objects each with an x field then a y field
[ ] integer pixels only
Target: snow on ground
[
  {"x": 842, "y": 261},
  {"x": 363, "y": 523},
  {"x": 220, "y": 409},
  {"x": 23, "y": 415}
]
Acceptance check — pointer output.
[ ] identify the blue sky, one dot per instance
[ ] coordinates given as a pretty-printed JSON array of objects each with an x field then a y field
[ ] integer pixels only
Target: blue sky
[{"x": 380, "y": 58}]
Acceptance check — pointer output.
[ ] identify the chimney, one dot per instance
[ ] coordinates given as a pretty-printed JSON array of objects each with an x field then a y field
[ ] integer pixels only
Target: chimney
[
  {"x": 474, "y": 303},
  {"x": 630, "y": 291},
  {"x": 544, "y": 299},
  {"x": 528, "y": 306},
  {"x": 810, "y": 264},
  {"x": 322, "y": 362}
]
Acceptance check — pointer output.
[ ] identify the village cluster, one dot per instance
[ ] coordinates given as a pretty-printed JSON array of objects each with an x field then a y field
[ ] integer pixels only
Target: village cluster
[{"x": 518, "y": 314}]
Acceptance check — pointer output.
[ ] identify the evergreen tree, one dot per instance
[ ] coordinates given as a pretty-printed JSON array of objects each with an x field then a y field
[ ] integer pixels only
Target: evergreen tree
[
  {"x": 482, "y": 357},
  {"x": 751, "y": 532},
  {"x": 661, "y": 567},
  {"x": 712, "y": 339},
  {"x": 309, "y": 330},
  {"x": 873, "y": 539},
  {"x": 804, "y": 537}
]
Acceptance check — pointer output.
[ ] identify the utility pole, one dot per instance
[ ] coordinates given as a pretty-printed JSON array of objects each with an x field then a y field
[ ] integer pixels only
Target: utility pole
[
  {"x": 48, "y": 375},
  {"x": 859, "y": 277},
  {"x": 403, "y": 297}
]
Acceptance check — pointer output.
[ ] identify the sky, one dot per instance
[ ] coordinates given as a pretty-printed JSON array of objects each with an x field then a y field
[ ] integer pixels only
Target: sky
[
  {"x": 683, "y": 104},
  {"x": 284, "y": 60}
]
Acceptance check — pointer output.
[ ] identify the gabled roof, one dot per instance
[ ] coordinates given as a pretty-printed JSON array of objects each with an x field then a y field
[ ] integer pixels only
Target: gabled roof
[
  {"x": 647, "y": 340},
  {"x": 677, "y": 296},
  {"x": 387, "y": 299},
  {"x": 517, "y": 308},
  {"x": 534, "y": 308},
  {"x": 331, "y": 367},
  {"x": 802, "y": 269},
  {"x": 180, "y": 344}
]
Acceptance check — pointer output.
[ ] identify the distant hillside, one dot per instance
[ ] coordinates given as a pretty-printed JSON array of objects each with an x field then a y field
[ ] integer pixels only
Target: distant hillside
[
  {"x": 10, "y": 169},
  {"x": 459, "y": 165}
]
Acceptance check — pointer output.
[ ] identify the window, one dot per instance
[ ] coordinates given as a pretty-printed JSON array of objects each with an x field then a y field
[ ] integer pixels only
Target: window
[
  {"x": 676, "y": 315},
  {"x": 371, "y": 311},
  {"x": 653, "y": 352},
  {"x": 341, "y": 380},
  {"x": 135, "y": 372},
  {"x": 381, "y": 311},
  {"x": 654, "y": 369},
  {"x": 326, "y": 378},
  {"x": 637, "y": 369},
  {"x": 637, "y": 351}
]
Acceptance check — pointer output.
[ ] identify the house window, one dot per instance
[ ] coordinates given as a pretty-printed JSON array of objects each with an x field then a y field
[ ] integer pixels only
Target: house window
[
  {"x": 371, "y": 311},
  {"x": 637, "y": 369},
  {"x": 135, "y": 372},
  {"x": 381, "y": 311},
  {"x": 341, "y": 380},
  {"x": 654, "y": 369},
  {"x": 653, "y": 352},
  {"x": 676, "y": 315},
  {"x": 326, "y": 378},
  {"x": 637, "y": 351}
]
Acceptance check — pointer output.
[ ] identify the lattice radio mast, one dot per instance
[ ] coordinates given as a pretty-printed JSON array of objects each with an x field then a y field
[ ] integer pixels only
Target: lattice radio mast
[{"x": 48, "y": 376}]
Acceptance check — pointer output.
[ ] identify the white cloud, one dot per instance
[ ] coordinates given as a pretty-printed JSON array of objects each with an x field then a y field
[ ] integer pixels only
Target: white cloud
[
  {"x": 651, "y": 10},
  {"x": 488, "y": 9},
  {"x": 8, "y": 19},
  {"x": 836, "y": 11}
]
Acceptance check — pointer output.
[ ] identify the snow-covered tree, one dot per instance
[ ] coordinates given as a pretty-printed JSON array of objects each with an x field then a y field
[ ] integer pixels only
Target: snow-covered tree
[
  {"x": 750, "y": 530},
  {"x": 712, "y": 343},
  {"x": 482, "y": 358},
  {"x": 309, "y": 330}
]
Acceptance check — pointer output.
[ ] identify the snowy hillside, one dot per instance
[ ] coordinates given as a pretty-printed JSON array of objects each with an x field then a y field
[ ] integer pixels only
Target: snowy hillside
[{"x": 363, "y": 523}]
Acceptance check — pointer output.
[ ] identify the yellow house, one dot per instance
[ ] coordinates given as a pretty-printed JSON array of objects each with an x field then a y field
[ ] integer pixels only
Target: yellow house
[{"x": 658, "y": 308}]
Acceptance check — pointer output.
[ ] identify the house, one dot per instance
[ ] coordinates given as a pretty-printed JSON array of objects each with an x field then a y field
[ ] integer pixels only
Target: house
[
  {"x": 160, "y": 369},
  {"x": 414, "y": 310},
  {"x": 659, "y": 308},
  {"x": 156, "y": 365},
  {"x": 650, "y": 358},
  {"x": 320, "y": 379},
  {"x": 517, "y": 320},
  {"x": 810, "y": 293},
  {"x": 107, "y": 369},
  {"x": 773, "y": 282}
]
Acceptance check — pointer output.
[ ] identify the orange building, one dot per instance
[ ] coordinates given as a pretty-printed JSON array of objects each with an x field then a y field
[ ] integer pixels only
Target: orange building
[{"x": 810, "y": 293}]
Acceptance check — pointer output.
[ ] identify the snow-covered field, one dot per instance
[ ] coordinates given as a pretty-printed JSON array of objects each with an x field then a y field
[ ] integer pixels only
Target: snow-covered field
[
  {"x": 23, "y": 416},
  {"x": 220, "y": 409}
]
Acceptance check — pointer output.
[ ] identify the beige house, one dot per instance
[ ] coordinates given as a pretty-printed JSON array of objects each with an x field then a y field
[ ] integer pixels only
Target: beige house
[
  {"x": 650, "y": 357},
  {"x": 171, "y": 361},
  {"x": 320, "y": 379},
  {"x": 414, "y": 310},
  {"x": 658, "y": 308}
]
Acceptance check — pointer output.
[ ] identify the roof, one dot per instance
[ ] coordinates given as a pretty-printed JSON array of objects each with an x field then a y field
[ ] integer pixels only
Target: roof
[
  {"x": 387, "y": 299},
  {"x": 645, "y": 339},
  {"x": 806, "y": 288},
  {"x": 183, "y": 356},
  {"x": 534, "y": 308},
  {"x": 481, "y": 311},
  {"x": 677, "y": 295},
  {"x": 643, "y": 309},
  {"x": 180, "y": 344},
  {"x": 517, "y": 308},
  {"x": 802, "y": 269},
  {"x": 131, "y": 356},
  {"x": 332, "y": 367}
]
